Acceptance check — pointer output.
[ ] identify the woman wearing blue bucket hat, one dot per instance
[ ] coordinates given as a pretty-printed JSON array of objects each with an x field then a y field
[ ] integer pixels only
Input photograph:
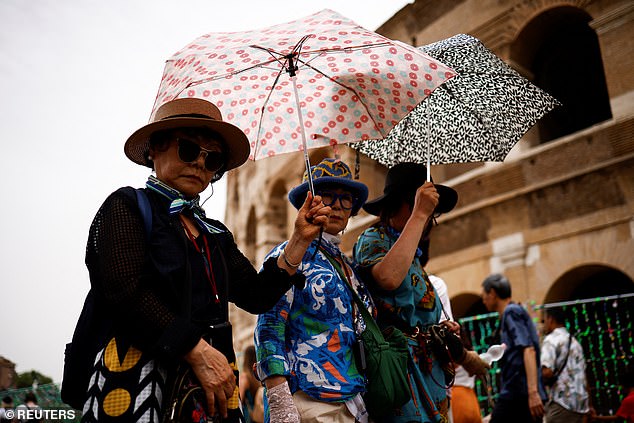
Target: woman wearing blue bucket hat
[{"x": 305, "y": 344}]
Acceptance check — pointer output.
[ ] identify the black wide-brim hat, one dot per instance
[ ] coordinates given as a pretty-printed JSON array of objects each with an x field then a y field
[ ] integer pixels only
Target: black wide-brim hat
[
  {"x": 189, "y": 113},
  {"x": 407, "y": 178}
]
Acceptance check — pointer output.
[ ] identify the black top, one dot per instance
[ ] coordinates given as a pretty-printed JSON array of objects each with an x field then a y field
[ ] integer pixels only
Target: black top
[{"x": 157, "y": 295}]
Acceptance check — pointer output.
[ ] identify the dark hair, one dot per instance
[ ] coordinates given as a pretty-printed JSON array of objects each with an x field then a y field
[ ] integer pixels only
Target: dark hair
[
  {"x": 7, "y": 400},
  {"x": 556, "y": 313},
  {"x": 159, "y": 140},
  {"x": 499, "y": 284},
  {"x": 30, "y": 396}
]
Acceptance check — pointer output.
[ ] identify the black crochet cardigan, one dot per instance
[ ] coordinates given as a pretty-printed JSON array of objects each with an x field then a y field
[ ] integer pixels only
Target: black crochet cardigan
[{"x": 154, "y": 290}]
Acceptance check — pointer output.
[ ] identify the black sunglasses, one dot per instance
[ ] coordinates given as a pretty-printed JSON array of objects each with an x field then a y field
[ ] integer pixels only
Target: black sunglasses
[
  {"x": 189, "y": 151},
  {"x": 329, "y": 198}
]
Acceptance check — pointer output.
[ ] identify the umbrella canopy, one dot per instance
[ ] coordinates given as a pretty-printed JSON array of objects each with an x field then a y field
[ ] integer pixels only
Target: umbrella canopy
[
  {"x": 323, "y": 76},
  {"x": 478, "y": 115}
]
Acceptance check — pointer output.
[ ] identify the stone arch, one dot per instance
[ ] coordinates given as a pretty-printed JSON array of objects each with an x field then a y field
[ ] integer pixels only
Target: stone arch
[
  {"x": 236, "y": 194},
  {"x": 467, "y": 304},
  {"x": 559, "y": 51},
  {"x": 277, "y": 214},
  {"x": 589, "y": 281},
  {"x": 318, "y": 154},
  {"x": 251, "y": 236}
]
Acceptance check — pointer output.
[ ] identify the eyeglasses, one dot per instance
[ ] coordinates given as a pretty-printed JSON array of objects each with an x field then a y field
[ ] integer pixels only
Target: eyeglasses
[
  {"x": 189, "y": 151},
  {"x": 329, "y": 198}
]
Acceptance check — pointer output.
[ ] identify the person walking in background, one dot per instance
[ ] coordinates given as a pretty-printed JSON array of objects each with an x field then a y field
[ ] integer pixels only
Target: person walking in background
[
  {"x": 391, "y": 258},
  {"x": 626, "y": 409},
  {"x": 306, "y": 343},
  {"x": 563, "y": 371},
  {"x": 162, "y": 275},
  {"x": 522, "y": 396},
  {"x": 7, "y": 404},
  {"x": 29, "y": 408},
  {"x": 251, "y": 390}
]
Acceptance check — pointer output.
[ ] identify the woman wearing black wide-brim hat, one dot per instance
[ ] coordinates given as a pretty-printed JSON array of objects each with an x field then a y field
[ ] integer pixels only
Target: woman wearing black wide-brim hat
[
  {"x": 391, "y": 256},
  {"x": 154, "y": 341}
]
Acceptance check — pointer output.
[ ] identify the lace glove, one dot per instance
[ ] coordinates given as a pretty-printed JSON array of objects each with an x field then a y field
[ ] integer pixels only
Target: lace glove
[
  {"x": 281, "y": 406},
  {"x": 474, "y": 365}
]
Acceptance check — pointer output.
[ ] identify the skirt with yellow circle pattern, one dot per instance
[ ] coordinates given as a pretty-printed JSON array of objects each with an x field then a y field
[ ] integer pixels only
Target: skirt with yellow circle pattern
[{"x": 129, "y": 386}]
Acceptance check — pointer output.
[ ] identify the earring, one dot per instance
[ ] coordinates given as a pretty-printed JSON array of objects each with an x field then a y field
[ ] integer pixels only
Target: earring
[{"x": 149, "y": 157}]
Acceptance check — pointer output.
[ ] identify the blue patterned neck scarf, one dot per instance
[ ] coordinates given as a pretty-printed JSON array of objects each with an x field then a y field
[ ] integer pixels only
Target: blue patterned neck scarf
[
  {"x": 331, "y": 245},
  {"x": 178, "y": 203},
  {"x": 396, "y": 234}
]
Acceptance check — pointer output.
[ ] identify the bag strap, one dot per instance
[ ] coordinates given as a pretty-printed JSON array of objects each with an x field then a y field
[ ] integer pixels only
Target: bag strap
[
  {"x": 146, "y": 210},
  {"x": 367, "y": 318},
  {"x": 563, "y": 366}
]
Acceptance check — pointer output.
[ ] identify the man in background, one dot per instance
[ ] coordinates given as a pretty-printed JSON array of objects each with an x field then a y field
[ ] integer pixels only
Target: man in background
[
  {"x": 563, "y": 370},
  {"x": 521, "y": 394}
]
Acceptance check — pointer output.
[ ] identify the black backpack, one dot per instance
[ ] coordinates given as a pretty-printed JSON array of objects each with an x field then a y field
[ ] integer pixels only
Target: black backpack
[{"x": 91, "y": 332}]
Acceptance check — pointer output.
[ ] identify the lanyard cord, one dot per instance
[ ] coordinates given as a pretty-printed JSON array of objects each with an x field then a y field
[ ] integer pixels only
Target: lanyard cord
[{"x": 206, "y": 258}]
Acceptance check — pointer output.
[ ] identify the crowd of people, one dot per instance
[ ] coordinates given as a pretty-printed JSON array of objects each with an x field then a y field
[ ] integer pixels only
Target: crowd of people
[{"x": 162, "y": 274}]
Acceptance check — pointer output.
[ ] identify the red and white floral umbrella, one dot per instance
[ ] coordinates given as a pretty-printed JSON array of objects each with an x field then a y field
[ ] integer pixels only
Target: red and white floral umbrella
[{"x": 317, "y": 81}]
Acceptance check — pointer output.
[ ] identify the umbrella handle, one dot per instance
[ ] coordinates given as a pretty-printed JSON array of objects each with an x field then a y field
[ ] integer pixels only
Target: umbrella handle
[
  {"x": 303, "y": 132},
  {"x": 428, "y": 164}
]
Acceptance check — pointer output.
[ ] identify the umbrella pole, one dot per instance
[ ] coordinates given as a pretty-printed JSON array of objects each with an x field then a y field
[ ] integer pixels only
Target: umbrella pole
[
  {"x": 291, "y": 70},
  {"x": 428, "y": 161},
  {"x": 303, "y": 132},
  {"x": 428, "y": 136}
]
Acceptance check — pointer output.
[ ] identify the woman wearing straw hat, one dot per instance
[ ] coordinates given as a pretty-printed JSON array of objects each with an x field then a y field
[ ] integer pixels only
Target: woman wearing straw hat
[
  {"x": 390, "y": 256},
  {"x": 162, "y": 275},
  {"x": 305, "y": 343}
]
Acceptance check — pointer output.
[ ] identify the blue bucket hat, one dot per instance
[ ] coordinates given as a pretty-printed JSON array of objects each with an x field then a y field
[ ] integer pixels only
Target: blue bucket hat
[{"x": 331, "y": 172}]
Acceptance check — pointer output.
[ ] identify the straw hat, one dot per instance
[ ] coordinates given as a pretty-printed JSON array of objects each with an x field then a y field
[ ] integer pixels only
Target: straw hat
[{"x": 189, "y": 113}]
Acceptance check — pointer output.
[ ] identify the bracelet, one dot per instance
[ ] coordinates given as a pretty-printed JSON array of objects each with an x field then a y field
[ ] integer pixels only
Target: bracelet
[{"x": 288, "y": 263}]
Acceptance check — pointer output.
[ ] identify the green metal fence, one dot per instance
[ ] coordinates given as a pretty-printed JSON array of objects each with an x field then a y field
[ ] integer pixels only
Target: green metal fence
[{"x": 603, "y": 327}]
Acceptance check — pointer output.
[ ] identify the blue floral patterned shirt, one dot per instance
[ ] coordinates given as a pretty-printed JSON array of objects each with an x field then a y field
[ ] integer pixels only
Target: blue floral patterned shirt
[{"x": 309, "y": 335}]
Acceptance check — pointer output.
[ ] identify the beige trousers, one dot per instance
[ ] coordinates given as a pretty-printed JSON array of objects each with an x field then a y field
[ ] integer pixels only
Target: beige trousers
[{"x": 314, "y": 411}]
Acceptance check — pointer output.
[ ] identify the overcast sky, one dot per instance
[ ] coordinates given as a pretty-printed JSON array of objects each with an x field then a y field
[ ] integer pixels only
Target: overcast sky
[{"x": 77, "y": 78}]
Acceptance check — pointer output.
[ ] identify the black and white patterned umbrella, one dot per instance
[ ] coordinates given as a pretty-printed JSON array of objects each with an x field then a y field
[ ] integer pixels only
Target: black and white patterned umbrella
[{"x": 478, "y": 115}]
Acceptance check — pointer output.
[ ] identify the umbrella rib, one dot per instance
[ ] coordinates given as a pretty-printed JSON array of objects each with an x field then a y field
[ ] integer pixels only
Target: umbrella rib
[
  {"x": 376, "y": 126},
  {"x": 475, "y": 113},
  {"x": 257, "y": 144},
  {"x": 277, "y": 55},
  {"x": 275, "y": 58}
]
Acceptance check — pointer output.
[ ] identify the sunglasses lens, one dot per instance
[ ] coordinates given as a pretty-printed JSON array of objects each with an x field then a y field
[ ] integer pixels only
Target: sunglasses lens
[
  {"x": 346, "y": 201},
  {"x": 330, "y": 198},
  {"x": 327, "y": 198},
  {"x": 214, "y": 161},
  {"x": 188, "y": 151}
]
